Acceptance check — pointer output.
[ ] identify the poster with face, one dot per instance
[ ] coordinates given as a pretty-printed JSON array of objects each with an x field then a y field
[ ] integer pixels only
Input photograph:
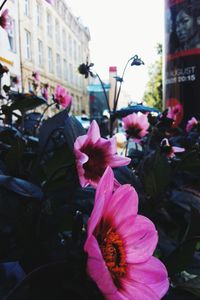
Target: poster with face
[{"x": 182, "y": 57}]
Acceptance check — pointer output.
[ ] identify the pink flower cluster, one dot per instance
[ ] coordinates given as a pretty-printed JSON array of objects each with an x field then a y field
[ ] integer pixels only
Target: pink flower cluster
[
  {"x": 191, "y": 123},
  {"x": 136, "y": 126},
  {"x": 94, "y": 154},
  {"x": 62, "y": 96},
  {"x": 36, "y": 76},
  {"x": 120, "y": 245},
  {"x": 5, "y": 20},
  {"x": 175, "y": 112}
]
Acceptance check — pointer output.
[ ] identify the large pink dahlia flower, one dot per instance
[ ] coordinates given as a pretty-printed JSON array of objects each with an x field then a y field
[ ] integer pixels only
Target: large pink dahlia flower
[
  {"x": 120, "y": 244},
  {"x": 94, "y": 154},
  {"x": 136, "y": 125}
]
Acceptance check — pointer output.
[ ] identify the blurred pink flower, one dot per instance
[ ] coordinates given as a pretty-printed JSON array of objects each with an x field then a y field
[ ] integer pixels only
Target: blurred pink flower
[
  {"x": 120, "y": 245},
  {"x": 136, "y": 125},
  {"x": 94, "y": 154},
  {"x": 16, "y": 80},
  {"x": 175, "y": 112},
  {"x": 62, "y": 96},
  {"x": 191, "y": 123},
  {"x": 169, "y": 150},
  {"x": 5, "y": 20},
  {"x": 36, "y": 76},
  {"x": 45, "y": 93}
]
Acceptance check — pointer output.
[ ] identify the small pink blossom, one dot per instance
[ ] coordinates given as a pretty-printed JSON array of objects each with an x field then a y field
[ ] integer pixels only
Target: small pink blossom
[
  {"x": 94, "y": 154},
  {"x": 136, "y": 125},
  {"x": 36, "y": 76},
  {"x": 45, "y": 93},
  {"x": 50, "y": 1},
  {"x": 191, "y": 123},
  {"x": 120, "y": 245},
  {"x": 5, "y": 20},
  {"x": 175, "y": 112},
  {"x": 62, "y": 96},
  {"x": 169, "y": 150},
  {"x": 16, "y": 80}
]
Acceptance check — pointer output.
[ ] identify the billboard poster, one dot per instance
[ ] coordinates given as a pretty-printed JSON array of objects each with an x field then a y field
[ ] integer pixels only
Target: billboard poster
[{"x": 182, "y": 58}]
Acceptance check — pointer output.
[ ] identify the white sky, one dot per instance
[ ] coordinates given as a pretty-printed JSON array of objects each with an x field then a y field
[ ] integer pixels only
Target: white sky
[{"x": 119, "y": 30}]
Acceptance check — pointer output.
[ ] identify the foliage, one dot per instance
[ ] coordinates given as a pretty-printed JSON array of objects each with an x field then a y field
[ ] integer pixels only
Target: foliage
[
  {"x": 153, "y": 95},
  {"x": 44, "y": 211}
]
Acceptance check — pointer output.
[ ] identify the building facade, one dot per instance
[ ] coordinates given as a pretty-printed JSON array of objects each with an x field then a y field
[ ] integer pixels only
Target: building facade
[
  {"x": 9, "y": 41},
  {"x": 48, "y": 39}
]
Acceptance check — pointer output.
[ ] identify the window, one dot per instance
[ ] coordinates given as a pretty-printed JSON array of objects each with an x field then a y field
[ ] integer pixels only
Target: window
[
  {"x": 30, "y": 85},
  {"x": 28, "y": 44},
  {"x": 58, "y": 65},
  {"x": 70, "y": 74},
  {"x": 50, "y": 60},
  {"x": 40, "y": 53},
  {"x": 27, "y": 7},
  {"x": 12, "y": 36},
  {"x": 75, "y": 53},
  {"x": 57, "y": 31},
  {"x": 70, "y": 46},
  {"x": 39, "y": 15},
  {"x": 64, "y": 40},
  {"x": 49, "y": 25},
  {"x": 65, "y": 70}
]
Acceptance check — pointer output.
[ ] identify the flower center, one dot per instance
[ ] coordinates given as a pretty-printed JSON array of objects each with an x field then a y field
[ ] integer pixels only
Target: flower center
[
  {"x": 97, "y": 162},
  {"x": 133, "y": 131},
  {"x": 113, "y": 252}
]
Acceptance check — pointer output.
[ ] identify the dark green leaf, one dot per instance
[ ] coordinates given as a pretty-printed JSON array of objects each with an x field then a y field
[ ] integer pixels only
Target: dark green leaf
[
  {"x": 155, "y": 174},
  {"x": 192, "y": 286},
  {"x": 26, "y": 101},
  {"x": 21, "y": 187}
]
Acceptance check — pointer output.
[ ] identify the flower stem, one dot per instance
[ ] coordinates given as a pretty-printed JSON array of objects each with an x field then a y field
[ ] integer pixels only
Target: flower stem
[
  {"x": 104, "y": 91},
  {"x": 3, "y": 4},
  {"x": 48, "y": 105}
]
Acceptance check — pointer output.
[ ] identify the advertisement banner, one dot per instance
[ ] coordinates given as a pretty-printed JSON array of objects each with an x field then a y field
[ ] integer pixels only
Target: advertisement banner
[{"x": 182, "y": 58}]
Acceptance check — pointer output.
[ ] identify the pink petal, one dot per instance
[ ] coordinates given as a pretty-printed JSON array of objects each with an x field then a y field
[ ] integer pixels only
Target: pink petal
[
  {"x": 160, "y": 288},
  {"x": 103, "y": 194},
  {"x": 122, "y": 204},
  {"x": 118, "y": 161},
  {"x": 97, "y": 268},
  {"x": 151, "y": 271},
  {"x": 178, "y": 149},
  {"x": 107, "y": 145},
  {"x": 81, "y": 157},
  {"x": 137, "y": 291},
  {"x": 141, "y": 243},
  {"x": 113, "y": 145},
  {"x": 80, "y": 141},
  {"x": 93, "y": 132}
]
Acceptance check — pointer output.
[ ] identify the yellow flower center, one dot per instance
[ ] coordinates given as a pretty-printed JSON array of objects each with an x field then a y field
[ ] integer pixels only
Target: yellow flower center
[{"x": 113, "y": 252}]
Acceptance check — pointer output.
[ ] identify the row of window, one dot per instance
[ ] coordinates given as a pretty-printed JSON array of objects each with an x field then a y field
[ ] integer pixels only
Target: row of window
[
  {"x": 49, "y": 23},
  {"x": 68, "y": 72}
]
